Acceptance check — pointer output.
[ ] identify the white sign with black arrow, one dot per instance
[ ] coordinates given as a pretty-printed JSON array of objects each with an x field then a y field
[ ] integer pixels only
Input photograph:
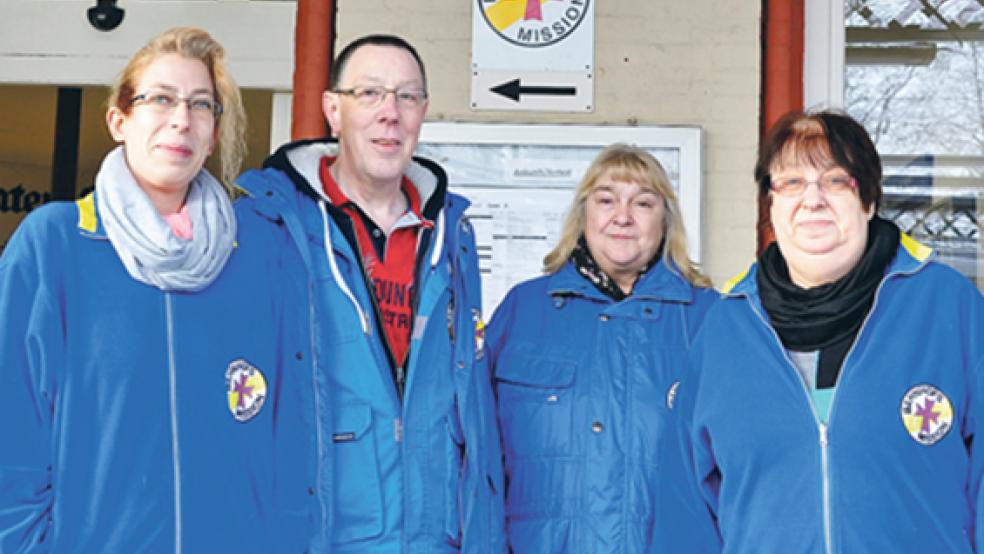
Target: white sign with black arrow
[
  {"x": 514, "y": 89},
  {"x": 533, "y": 55},
  {"x": 532, "y": 90}
]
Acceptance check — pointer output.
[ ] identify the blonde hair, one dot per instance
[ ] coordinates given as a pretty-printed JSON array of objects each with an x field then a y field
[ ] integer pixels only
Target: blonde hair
[
  {"x": 195, "y": 44},
  {"x": 622, "y": 162}
]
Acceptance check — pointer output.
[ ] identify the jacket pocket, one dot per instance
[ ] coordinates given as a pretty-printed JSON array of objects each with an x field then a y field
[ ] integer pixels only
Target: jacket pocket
[
  {"x": 358, "y": 511},
  {"x": 535, "y": 405}
]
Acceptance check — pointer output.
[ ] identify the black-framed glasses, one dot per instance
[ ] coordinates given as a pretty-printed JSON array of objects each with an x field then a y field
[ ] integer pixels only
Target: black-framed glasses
[
  {"x": 372, "y": 96},
  {"x": 833, "y": 183},
  {"x": 165, "y": 101}
]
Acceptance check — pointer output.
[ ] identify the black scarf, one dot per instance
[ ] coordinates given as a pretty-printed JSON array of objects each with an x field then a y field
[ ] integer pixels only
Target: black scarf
[
  {"x": 828, "y": 316},
  {"x": 586, "y": 265}
]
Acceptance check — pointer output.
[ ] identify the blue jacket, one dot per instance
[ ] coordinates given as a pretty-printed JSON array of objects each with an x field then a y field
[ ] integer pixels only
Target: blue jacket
[
  {"x": 137, "y": 420},
  {"x": 897, "y": 468},
  {"x": 421, "y": 474},
  {"x": 582, "y": 384}
]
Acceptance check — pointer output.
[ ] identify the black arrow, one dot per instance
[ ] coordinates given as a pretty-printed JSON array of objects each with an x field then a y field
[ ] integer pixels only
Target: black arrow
[{"x": 513, "y": 89}]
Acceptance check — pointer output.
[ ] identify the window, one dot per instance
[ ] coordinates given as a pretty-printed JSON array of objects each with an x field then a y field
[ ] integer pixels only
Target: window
[{"x": 914, "y": 76}]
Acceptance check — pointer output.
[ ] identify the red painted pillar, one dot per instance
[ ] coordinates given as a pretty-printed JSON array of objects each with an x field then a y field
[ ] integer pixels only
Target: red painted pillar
[
  {"x": 314, "y": 40},
  {"x": 782, "y": 79}
]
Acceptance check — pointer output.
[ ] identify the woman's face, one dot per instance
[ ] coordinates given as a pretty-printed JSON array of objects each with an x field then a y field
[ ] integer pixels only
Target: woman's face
[
  {"x": 623, "y": 227},
  {"x": 166, "y": 145},
  {"x": 821, "y": 232}
]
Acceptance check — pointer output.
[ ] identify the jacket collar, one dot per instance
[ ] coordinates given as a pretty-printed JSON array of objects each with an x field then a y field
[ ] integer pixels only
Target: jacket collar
[
  {"x": 661, "y": 282},
  {"x": 289, "y": 189},
  {"x": 300, "y": 161},
  {"x": 89, "y": 223}
]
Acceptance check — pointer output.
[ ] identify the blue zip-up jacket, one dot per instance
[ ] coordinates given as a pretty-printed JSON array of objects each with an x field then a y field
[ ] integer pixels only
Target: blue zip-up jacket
[
  {"x": 421, "y": 473},
  {"x": 582, "y": 384},
  {"x": 137, "y": 420},
  {"x": 898, "y": 466}
]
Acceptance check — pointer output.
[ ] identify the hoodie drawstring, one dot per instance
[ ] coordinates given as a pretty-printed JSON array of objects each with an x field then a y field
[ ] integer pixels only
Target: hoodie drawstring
[
  {"x": 439, "y": 240},
  {"x": 329, "y": 253}
]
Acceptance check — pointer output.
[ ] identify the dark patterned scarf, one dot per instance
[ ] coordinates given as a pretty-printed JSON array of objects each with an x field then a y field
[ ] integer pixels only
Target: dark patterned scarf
[{"x": 586, "y": 265}]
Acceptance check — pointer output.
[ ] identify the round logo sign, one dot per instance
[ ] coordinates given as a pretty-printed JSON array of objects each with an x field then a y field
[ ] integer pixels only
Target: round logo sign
[
  {"x": 533, "y": 23},
  {"x": 927, "y": 414},
  {"x": 246, "y": 389}
]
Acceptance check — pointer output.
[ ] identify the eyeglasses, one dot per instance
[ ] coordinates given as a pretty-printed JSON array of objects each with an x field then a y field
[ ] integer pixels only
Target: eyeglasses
[
  {"x": 163, "y": 101},
  {"x": 838, "y": 183},
  {"x": 371, "y": 97}
]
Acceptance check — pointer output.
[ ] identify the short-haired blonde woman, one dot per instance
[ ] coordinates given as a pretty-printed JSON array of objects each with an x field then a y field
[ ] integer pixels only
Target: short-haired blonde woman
[
  {"x": 147, "y": 338},
  {"x": 584, "y": 361}
]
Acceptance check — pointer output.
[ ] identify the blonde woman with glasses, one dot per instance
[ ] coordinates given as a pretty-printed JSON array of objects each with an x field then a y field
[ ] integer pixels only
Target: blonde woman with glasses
[{"x": 585, "y": 359}]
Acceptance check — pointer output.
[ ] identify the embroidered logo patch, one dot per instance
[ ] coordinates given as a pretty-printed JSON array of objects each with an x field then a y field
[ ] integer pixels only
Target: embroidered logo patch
[
  {"x": 246, "y": 389},
  {"x": 479, "y": 333},
  {"x": 927, "y": 414},
  {"x": 671, "y": 394}
]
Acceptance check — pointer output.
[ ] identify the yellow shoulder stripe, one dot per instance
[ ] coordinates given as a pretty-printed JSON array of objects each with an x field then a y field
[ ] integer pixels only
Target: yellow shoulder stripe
[
  {"x": 733, "y": 281},
  {"x": 915, "y": 248},
  {"x": 87, "y": 213},
  {"x": 238, "y": 191}
]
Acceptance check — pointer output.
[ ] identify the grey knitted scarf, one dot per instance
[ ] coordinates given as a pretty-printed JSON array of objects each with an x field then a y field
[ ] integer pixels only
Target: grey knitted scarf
[{"x": 145, "y": 243}]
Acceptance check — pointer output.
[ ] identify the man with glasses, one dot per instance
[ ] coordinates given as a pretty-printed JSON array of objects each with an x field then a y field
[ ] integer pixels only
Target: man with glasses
[{"x": 408, "y": 449}]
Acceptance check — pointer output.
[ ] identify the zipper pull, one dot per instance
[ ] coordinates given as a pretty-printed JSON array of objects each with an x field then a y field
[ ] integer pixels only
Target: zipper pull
[
  {"x": 397, "y": 430},
  {"x": 823, "y": 435},
  {"x": 400, "y": 378},
  {"x": 451, "y": 318}
]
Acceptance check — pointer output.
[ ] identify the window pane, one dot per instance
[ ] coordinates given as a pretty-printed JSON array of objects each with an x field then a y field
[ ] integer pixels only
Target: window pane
[{"x": 915, "y": 79}]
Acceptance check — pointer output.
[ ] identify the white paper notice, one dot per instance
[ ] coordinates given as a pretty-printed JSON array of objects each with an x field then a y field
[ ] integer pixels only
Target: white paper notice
[{"x": 514, "y": 230}]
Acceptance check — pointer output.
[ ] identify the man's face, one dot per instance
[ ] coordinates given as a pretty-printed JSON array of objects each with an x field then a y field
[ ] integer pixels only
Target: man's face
[{"x": 375, "y": 142}]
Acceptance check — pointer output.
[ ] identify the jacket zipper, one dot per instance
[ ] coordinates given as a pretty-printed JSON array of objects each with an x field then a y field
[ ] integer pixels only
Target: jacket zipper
[
  {"x": 397, "y": 369},
  {"x": 823, "y": 428},
  {"x": 398, "y": 372},
  {"x": 824, "y": 442},
  {"x": 825, "y": 469},
  {"x": 423, "y": 271},
  {"x": 419, "y": 272},
  {"x": 312, "y": 319},
  {"x": 173, "y": 399}
]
